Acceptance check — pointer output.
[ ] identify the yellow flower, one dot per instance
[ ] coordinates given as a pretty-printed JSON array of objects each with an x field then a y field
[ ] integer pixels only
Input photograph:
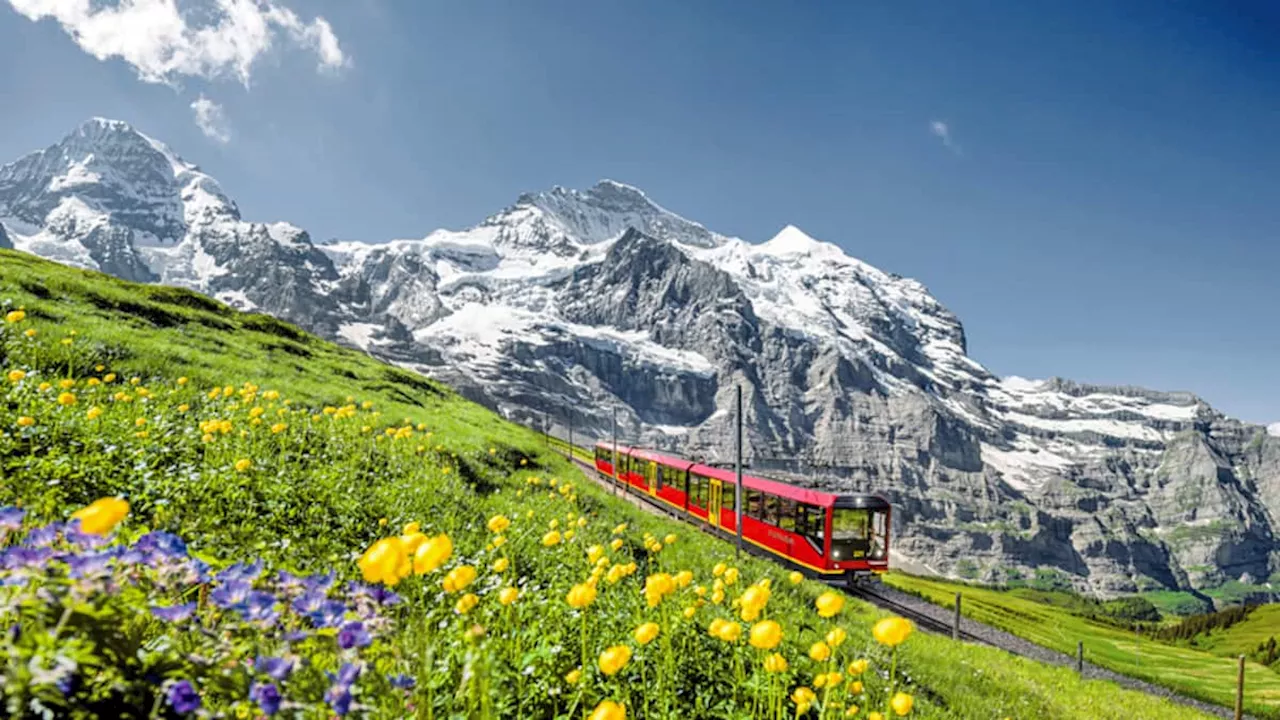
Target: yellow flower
[
  {"x": 766, "y": 635},
  {"x": 820, "y": 651},
  {"x": 803, "y": 696},
  {"x": 820, "y": 681},
  {"x": 109, "y": 378},
  {"x": 834, "y": 677},
  {"x": 618, "y": 530},
  {"x": 829, "y": 603},
  {"x": 183, "y": 408},
  {"x": 719, "y": 569},
  {"x": 731, "y": 576},
  {"x": 458, "y": 578},
  {"x": 139, "y": 422},
  {"x": 855, "y": 687},
  {"x": 243, "y": 464},
  {"x": 14, "y": 316},
  {"x": 573, "y": 676},
  {"x": 30, "y": 332},
  {"x": 775, "y": 663},
  {"x": 891, "y": 631},
  {"x": 717, "y": 597},
  {"x": 857, "y": 667},
  {"x": 182, "y": 380},
  {"x": 614, "y": 659},
  {"x": 901, "y": 703},
  {"x": 581, "y": 596},
  {"x": 730, "y": 632},
  {"x": 499, "y": 541},
  {"x": 501, "y": 564},
  {"x": 851, "y": 711},
  {"x": 93, "y": 413},
  {"x": 493, "y": 451},
  {"x": 568, "y": 534},
  {"x": 508, "y": 595},
  {"x": 836, "y": 637},
  {"x": 67, "y": 399},
  {"x": 466, "y": 603},
  {"x": 382, "y": 561},
  {"x": 875, "y": 716},
  {"x": 551, "y": 538},
  {"x": 796, "y": 578},
  {"x": 432, "y": 554},
  {"x": 279, "y": 428},
  {"x": 26, "y": 421},
  {"x": 754, "y": 599},
  {"x": 44, "y": 386},
  {"x": 669, "y": 539},
  {"x": 615, "y": 544},
  {"x": 101, "y": 516},
  {"x": 689, "y": 612},
  {"x": 646, "y": 633},
  {"x": 595, "y": 553},
  {"x": 412, "y": 541},
  {"x": 66, "y": 383},
  {"x": 498, "y": 523},
  {"x": 16, "y": 375},
  {"x": 683, "y": 578},
  {"x": 609, "y": 710}
]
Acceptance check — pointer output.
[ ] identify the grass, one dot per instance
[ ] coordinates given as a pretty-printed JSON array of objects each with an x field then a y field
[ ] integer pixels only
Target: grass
[
  {"x": 255, "y": 441},
  {"x": 1243, "y": 637},
  {"x": 1192, "y": 672}
]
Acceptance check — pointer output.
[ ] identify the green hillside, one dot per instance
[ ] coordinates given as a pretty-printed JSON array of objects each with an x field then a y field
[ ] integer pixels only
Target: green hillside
[
  {"x": 266, "y": 450},
  {"x": 1194, "y": 672}
]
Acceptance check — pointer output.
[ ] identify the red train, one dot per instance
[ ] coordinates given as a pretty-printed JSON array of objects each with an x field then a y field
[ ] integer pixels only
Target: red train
[{"x": 816, "y": 532}]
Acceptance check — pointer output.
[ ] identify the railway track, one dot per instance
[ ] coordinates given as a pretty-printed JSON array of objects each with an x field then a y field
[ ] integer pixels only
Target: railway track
[{"x": 937, "y": 619}]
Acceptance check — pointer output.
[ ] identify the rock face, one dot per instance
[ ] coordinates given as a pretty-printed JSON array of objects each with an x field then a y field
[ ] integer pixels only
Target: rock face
[{"x": 579, "y": 303}]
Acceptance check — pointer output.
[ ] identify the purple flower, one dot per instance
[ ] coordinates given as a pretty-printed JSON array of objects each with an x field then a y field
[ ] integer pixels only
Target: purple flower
[
  {"x": 294, "y": 636},
  {"x": 16, "y": 558},
  {"x": 44, "y": 536},
  {"x": 385, "y": 596},
  {"x": 230, "y": 594},
  {"x": 329, "y": 614},
  {"x": 276, "y": 668},
  {"x": 320, "y": 582},
  {"x": 183, "y": 697},
  {"x": 79, "y": 539},
  {"x": 11, "y": 518},
  {"x": 174, "y": 614},
  {"x": 89, "y": 565},
  {"x": 267, "y": 695},
  {"x": 260, "y": 607},
  {"x": 353, "y": 635},
  {"x": 347, "y": 674},
  {"x": 159, "y": 545},
  {"x": 339, "y": 698},
  {"x": 241, "y": 572},
  {"x": 403, "y": 682},
  {"x": 309, "y": 602}
]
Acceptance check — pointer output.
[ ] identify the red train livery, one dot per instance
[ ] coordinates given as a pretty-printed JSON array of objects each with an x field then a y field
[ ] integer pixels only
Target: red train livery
[{"x": 819, "y": 533}]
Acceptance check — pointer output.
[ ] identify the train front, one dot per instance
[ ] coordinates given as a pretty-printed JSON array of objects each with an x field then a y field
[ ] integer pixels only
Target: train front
[{"x": 860, "y": 536}]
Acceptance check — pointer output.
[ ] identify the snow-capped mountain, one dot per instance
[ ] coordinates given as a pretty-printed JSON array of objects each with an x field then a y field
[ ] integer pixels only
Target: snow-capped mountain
[{"x": 583, "y": 302}]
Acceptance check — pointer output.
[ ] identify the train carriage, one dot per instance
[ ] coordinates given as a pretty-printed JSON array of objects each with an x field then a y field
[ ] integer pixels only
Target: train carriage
[{"x": 822, "y": 533}]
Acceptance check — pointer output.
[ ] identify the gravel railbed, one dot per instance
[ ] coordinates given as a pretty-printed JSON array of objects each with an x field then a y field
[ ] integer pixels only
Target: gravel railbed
[{"x": 975, "y": 631}]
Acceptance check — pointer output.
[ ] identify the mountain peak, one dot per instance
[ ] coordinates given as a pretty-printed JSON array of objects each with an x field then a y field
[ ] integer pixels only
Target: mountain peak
[{"x": 791, "y": 240}]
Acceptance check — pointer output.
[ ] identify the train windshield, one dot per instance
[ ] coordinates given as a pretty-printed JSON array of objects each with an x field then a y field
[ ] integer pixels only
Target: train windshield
[{"x": 858, "y": 533}]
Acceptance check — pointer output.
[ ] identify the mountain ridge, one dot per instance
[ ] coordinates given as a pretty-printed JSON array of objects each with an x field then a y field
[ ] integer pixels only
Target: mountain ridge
[{"x": 582, "y": 301}]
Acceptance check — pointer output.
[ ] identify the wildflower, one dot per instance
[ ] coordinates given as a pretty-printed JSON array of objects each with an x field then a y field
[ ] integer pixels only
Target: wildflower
[
  {"x": 616, "y": 544},
  {"x": 851, "y": 711},
  {"x": 183, "y": 407},
  {"x": 730, "y": 632},
  {"x": 595, "y": 553},
  {"x": 101, "y": 516},
  {"x": 243, "y": 465},
  {"x": 609, "y": 710},
  {"x": 353, "y": 635},
  {"x": 508, "y": 595},
  {"x": 836, "y": 637},
  {"x": 140, "y": 422},
  {"x": 717, "y": 597},
  {"x": 829, "y": 603},
  {"x": 267, "y": 696},
  {"x": 432, "y": 554},
  {"x": 16, "y": 375},
  {"x": 174, "y": 613},
  {"x": 646, "y": 632},
  {"x": 669, "y": 539},
  {"x": 381, "y": 562},
  {"x": 26, "y": 421},
  {"x": 66, "y": 399},
  {"x": 573, "y": 676},
  {"x": 891, "y": 631},
  {"x": 765, "y": 635},
  {"x": 803, "y": 697},
  {"x": 499, "y": 523},
  {"x": 719, "y": 569},
  {"x": 796, "y": 578},
  {"x": 581, "y": 596},
  {"x": 614, "y": 659},
  {"x": 499, "y": 541},
  {"x": 501, "y": 564},
  {"x": 11, "y": 518},
  {"x": 901, "y": 703},
  {"x": 683, "y": 578},
  {"x": 753, "y": 602},
  {"x": 855, "y": 687},
  {"x": 775, "y": 663},
  {"x": 618, "y": 530},
  {"x": 14, "y": 316},
  {"x": 109, "y": 378},
  {"x": 278, "y": 428},
  {"x": 30, "y": 332},
  {"x": 183, "y": 697},
  {"x": 820, "y": 651},
  {"x": 458, "y": 578},
  {"x": 466, "y": 603},
  {"x": 66, "y": 383},
  {"x": 274, "y": 667},
  {"x": 550, "y": 539}
]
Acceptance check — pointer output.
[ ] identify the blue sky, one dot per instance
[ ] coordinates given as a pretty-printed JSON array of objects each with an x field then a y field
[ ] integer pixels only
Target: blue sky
[{"x": 1108, "y": 210}]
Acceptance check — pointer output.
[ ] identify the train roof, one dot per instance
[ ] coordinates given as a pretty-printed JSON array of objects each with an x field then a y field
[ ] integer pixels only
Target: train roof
[{"x": 774, "y": 487}]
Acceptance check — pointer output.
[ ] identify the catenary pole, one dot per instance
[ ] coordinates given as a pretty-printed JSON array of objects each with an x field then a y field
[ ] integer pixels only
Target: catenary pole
[
  {"x": 737, "y": 488},
  {"x": 614, "y": 464}
]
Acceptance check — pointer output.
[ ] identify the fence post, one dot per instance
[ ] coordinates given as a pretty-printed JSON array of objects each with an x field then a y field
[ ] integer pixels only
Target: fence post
[
  {"x": 1080, "y": 657},
  {"x": 955, "y": 626},
  {"x": 1240, "y": 690}
]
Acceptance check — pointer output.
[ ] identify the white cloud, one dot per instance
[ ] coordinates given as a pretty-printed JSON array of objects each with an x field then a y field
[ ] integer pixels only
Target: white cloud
[
  {"x": 940, "y": 129},
  {"x": 163, "y": 44},
  {"x": 211, "y": 120}
]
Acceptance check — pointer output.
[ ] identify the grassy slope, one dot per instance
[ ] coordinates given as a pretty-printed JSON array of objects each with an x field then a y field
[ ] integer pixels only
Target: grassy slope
[
  {"x": 1244, "y": 637},
  {"x": 314, "y": 508},
  {"x": 1193, "y": 672}
]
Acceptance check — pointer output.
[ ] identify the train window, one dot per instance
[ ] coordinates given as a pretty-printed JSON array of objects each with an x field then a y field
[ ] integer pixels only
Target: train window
[
  {"x": 850, "y": 533},
  {"x": 769, "y": 513},
  {"x": 751, "y": 503},
  {"x": 787, "y": 514},
  {"x": 658, "y": 476},
  {"x": 811, "y": 521}
]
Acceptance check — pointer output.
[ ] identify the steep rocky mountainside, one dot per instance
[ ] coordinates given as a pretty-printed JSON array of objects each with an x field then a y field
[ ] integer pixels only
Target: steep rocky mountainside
[{"x": 577, "y": 303}]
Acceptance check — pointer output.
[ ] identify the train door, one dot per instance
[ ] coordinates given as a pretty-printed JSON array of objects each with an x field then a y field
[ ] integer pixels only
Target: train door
[
  {"x": 651, "y": 473},
  {"x": 713, "y": 503}
]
